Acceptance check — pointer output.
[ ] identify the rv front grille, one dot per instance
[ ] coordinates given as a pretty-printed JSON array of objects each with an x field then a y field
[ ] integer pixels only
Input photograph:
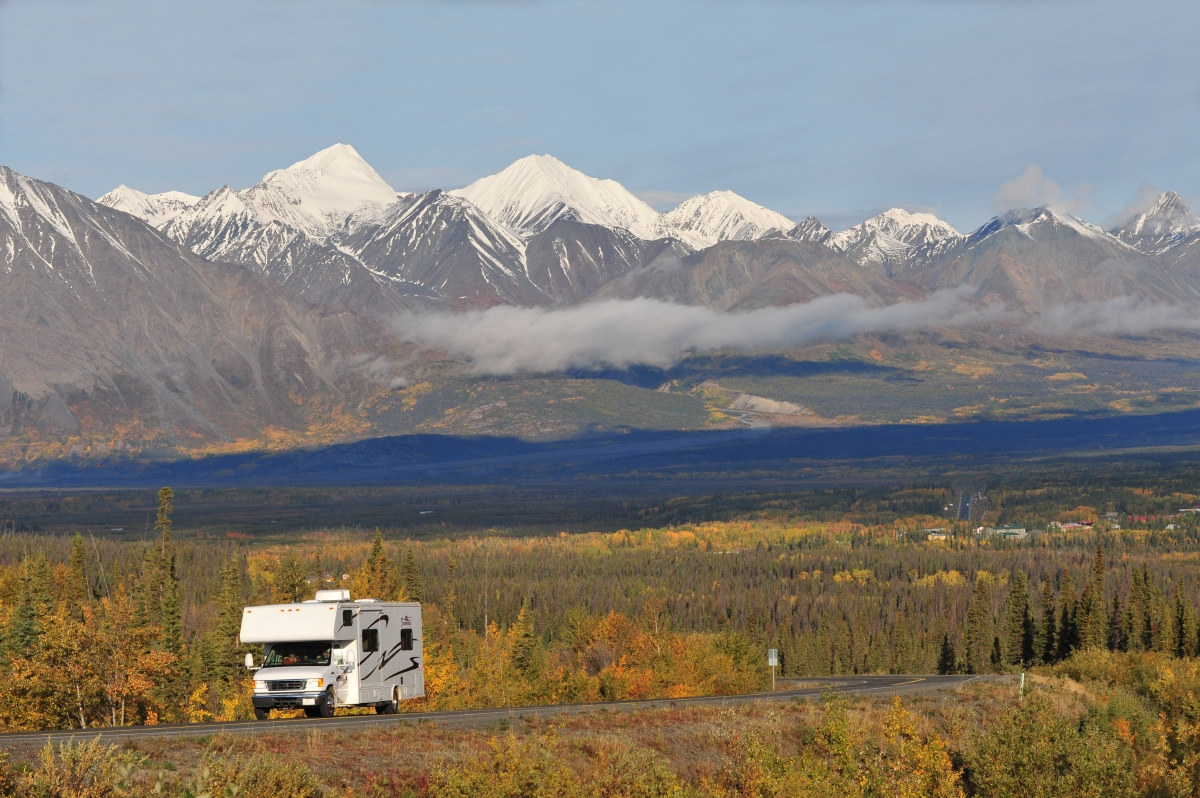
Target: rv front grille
[{"x": 290, "y": 685}]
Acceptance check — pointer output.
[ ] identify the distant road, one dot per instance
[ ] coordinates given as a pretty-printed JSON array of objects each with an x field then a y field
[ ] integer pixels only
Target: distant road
[{"x": 790, "y": 688}]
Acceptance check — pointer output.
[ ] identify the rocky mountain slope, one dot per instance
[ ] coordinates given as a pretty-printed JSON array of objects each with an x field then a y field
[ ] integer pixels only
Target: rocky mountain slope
[{"x": 112, "y": 329}]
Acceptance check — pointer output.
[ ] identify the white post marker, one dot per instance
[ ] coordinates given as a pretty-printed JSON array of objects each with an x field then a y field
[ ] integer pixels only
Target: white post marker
[{"x": 773, "y": 661}]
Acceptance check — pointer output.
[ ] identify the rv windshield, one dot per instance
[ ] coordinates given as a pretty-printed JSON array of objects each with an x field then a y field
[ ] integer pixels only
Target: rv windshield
[{"x": 287, "y": 654}]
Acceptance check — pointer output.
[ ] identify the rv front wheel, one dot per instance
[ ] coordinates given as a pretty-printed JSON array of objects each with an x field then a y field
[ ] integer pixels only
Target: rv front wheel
[
  {"x": 388, "y": 707},
  {"x": 262, "y": 714},
  {"x": 326, "y": 709}
]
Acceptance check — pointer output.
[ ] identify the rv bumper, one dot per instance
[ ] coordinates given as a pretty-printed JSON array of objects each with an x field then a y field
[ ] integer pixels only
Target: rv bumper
[{"x": 289, "y": 700}]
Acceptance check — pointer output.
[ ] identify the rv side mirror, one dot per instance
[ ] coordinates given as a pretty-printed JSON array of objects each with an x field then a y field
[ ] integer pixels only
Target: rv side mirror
[{"x": 249, "y": 660}]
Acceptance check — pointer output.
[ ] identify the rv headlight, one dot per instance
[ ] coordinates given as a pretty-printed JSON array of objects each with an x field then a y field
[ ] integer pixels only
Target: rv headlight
[
  {"x": 314, "y": 684},
  {"x": 260, "y": 685}
]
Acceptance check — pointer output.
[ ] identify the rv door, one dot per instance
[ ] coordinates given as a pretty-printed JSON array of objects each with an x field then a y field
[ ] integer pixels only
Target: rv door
[{"x": 370, "y": 655}]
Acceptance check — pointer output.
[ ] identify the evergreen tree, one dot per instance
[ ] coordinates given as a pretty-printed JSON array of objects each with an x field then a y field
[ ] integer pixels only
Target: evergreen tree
[
  {"x": 524, "y": 644},
  {"x": 947, "y": 658},
  {"x": 25, "y": 625},
  {"x": 1068, "y": 631},
  {"x": 1183, "y": 631},
  {"x": 377, "y": 577},
  {"x": 1136, "y": 633},
  {"x": 162, "y": 525},
  {"x": 224, "y": 641},
  {"x": 1018, "y": 624},
  {"x": 172, "y": 613},
  {"x": 1093, "y": 609},
  {"x": 76, "y": 591},
  {"x": 413, "y": 586},
  {"x": 977, "y": 642},
  {"x": 289, "y": 582},
  {"x": 174, "y": 683},
  {"x": 1116, "y": 626},
  {"x": 1046, "y": 642}
]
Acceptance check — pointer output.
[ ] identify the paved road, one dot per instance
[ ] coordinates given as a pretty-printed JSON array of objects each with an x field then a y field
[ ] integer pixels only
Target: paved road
[{"x": 788, "y": 689}]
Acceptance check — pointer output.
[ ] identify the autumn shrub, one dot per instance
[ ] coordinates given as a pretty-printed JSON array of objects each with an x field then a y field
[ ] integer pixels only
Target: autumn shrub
[
  {"x": 260, "y": 776},
  {"x": 75, "y": 770},
  {"x": 1032, "y": 750}
]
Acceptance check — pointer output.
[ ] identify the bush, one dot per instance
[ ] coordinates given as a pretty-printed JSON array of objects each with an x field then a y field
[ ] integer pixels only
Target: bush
[{"x": 1030, "y": 750}]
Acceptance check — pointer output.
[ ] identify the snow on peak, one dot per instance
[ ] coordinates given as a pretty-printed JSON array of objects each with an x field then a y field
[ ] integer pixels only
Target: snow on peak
[
  {"x": 538, "y": 190},
  {"x": 1168, "y": 216},
  {"x": 912, "y": 229},
  {"x": 1031, "y": 221},
  {"x": 811, "y": 229},
  {"x": 319, "y": 192},
  {"x": 155, "y": 209},
  {"x": 721, "y": 216}
]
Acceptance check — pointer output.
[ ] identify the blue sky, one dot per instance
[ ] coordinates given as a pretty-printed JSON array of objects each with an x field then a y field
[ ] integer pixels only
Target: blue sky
[{"x": 834, "y": 109}]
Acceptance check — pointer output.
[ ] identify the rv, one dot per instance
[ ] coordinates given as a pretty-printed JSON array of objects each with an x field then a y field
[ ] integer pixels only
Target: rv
[{"x": 333, "y": 652}]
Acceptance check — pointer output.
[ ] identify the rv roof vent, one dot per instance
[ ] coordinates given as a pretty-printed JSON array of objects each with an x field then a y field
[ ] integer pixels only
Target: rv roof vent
[
  {"x": 365, "y": 601},
  {"x": 333, "y": 595}
]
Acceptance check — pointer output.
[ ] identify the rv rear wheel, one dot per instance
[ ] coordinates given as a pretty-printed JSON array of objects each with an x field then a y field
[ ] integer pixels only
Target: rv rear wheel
[
  {"x": 326, "y": 709},
  {"x": 388, "y": 707}
]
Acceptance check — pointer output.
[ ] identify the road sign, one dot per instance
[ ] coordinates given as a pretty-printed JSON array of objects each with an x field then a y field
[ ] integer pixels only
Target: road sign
[{"x": 773, "y": 657}]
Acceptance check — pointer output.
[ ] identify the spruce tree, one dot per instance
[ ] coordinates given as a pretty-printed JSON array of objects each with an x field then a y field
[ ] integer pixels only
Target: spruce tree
[
  {"x": 978, "y": 634},
  {"x": 25, "y": 625},
  {"x": 1093, "y": 609},
  {"x": 175, "y": 683},
  {"x": 1017, "y": 631},
  {"x": 77, "y": 592},
  {"x": 947, "y": 658},
  {"x": 413, "y": 586},
  {"x": 1183, "y": 631},
  {"x": 525, "y": 644},
  {"x": 224, "y": 640},
  {"x": 1046, "y": 642},
  {"x": 1068, "y": 632},
  {"x": 1116, "y": 625},
  {"x": 290, "y": 579}
]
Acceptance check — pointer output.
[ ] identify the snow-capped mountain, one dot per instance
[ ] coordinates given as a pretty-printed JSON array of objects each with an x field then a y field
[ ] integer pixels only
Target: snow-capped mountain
[
  {"x": 313, "y": 197},
  {"x": 896, "y": 240},
  {"x": 1034, "y": 259},
  {"x": 1044, "y": 223},
  {"x": 538, "y": 190},
  {"x": 115, "y": 333},
  {"x": 156, "y": 209},
  {"x": 721, "y": 216},
  {"x": 1164, "y": 225},
  {"x": 810, "y": 229},
  {"x": 445, "y": 247}
]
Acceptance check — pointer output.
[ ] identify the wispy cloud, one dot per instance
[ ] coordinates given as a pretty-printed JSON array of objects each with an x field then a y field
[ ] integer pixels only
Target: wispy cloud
[
  {"x": 620, "y": 333},
  {"x": 1033, "y": 189},
  {"x": 1119, "y": 316}
]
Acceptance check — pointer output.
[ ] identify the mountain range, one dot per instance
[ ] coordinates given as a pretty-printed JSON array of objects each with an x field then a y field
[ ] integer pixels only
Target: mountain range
[
  {"x": 331, "y": 231},
  {"x": 170, "y": 322}
]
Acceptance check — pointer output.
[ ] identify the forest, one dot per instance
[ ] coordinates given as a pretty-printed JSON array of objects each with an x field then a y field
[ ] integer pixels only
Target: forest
[{"x": 108, "y": 632}]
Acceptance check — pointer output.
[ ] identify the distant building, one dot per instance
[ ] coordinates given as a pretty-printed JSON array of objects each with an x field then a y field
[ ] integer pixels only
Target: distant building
[{"x": 1011, "y": 531}]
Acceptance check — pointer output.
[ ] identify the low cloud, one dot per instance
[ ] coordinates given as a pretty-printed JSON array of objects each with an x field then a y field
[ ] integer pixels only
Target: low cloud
[
  {"x": 1033, "y": 190},
  {"x": 621, "y": 333},
  {"x": 1119, "y": 316},
  {"x": 1142, "y": 201}
]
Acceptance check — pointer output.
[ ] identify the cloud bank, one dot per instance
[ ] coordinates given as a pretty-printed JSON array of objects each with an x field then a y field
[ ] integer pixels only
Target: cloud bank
[
  {"x": 621, "y": 333},
  {"x": 1118, "y": 316}
]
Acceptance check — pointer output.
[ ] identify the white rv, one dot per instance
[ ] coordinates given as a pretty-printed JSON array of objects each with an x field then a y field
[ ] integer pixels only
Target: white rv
[{"x": 333, "y": 652}]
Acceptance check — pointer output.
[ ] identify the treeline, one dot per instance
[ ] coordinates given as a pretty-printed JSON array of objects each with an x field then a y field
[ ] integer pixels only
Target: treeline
[{"x": 103, "y": 632}]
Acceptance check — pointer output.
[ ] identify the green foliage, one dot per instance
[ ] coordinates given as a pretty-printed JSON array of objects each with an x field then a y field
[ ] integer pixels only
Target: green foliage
[{"x": 1032, "y": 750}]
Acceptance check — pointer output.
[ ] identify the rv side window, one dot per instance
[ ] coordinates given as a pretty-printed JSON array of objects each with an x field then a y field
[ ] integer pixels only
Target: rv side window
[
  {"x": 370, "y": 640},
  {"x": 347, "y": 617},
  {"x": 406, "y": 640}
]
